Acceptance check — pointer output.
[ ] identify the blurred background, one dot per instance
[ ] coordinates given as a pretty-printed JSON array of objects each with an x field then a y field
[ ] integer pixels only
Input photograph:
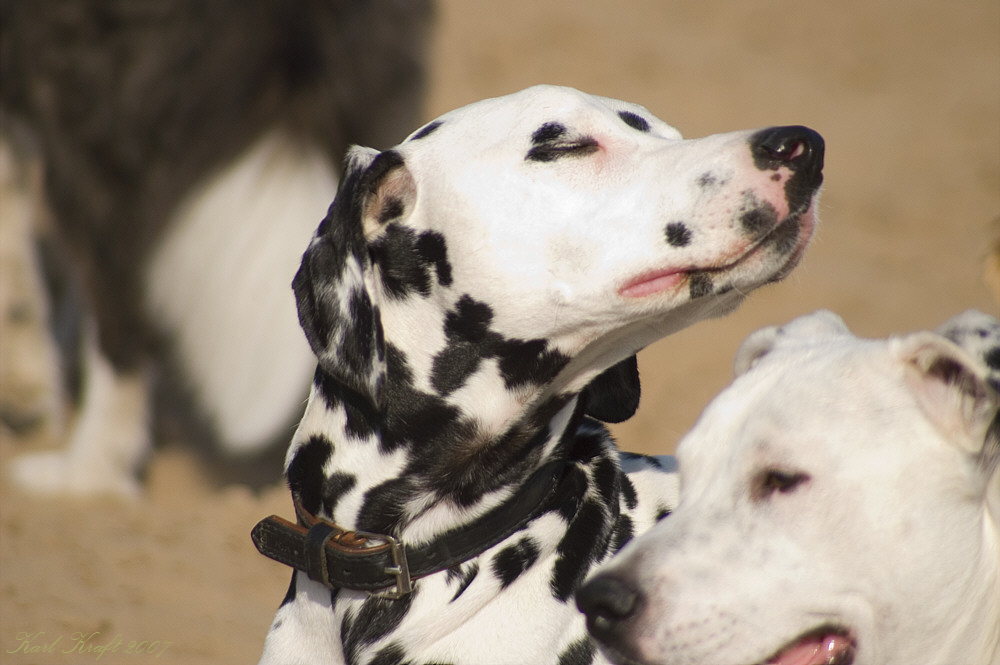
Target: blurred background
[{"x": 907, "y": 96}]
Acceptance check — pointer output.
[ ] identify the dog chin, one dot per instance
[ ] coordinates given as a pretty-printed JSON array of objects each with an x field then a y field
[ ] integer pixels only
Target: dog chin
[
  {"x": 751, "y": 270},
  {"x": 807, "y": 222}
]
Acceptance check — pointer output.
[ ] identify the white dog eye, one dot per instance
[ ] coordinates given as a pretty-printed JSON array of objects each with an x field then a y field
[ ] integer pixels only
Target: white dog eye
[{"x": 769, "y": 481}]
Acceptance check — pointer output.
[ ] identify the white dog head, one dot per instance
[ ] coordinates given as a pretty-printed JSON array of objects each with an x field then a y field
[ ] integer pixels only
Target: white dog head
[{"x": 838, "y": 505}]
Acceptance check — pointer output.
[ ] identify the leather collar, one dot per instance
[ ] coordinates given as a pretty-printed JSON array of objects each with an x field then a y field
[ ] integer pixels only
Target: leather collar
[{"x": 383, "y": 564}]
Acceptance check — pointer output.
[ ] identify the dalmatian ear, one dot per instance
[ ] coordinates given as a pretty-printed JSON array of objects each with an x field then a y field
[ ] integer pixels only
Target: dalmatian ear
[
  {"x": 820, "y": 324},
  {"x": 336, "y": 288},
  {"x": 953, "y": 390},
  {"x": 613, "y": 395}
]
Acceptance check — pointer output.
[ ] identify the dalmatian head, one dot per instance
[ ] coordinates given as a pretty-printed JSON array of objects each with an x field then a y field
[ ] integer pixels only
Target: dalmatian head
[
  {"x": 840, "y": 504},
  {"x": 529, "y": 245}
]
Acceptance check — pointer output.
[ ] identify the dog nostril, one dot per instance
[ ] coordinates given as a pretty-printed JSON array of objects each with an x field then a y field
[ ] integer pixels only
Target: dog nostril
[
  {"x": 786, "y": 152},
  {"x": 796, "y": 147},
  {"x": 607, "y": 601}
]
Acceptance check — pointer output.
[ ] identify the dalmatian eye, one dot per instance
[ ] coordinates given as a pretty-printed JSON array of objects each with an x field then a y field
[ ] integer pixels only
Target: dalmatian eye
[
  {"x": 553, "y": 151},
  {"x": 550, "y": 142},
  {"x": 770, "y": 481}
]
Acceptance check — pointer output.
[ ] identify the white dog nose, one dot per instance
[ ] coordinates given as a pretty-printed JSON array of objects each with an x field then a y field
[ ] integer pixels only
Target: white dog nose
[
  {"x": 608, "y": 602},
  {"x": 795, "y": 147}
]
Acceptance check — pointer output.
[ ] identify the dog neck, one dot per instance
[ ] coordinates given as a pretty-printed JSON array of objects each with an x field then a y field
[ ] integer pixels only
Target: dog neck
[{"x": 419, "y": 465}]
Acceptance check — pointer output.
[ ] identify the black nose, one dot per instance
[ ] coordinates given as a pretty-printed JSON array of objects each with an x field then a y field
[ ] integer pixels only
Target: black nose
[
  {"x": 795, "y": 147},
  {"x": 608, "y": 602}
]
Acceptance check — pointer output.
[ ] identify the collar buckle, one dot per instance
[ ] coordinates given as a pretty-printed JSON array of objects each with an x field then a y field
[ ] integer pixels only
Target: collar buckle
[{"x": 400, "y": 569}]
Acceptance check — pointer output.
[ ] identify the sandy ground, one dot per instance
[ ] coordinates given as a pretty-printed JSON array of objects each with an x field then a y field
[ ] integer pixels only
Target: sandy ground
[{"x": 908, "y": 99}]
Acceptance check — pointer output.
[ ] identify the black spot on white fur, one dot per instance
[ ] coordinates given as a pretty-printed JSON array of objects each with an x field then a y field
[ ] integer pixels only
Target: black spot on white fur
[
  {"x": 634, "y": 121},
  {"x": 376, "y": 618},
  {"x": 547, "y": 133},
  {"x": 607, "y": 479},
  {"x": 624, "y": 530},
  {"x": 427, "y": 130},
  {"x": 305, "y": 472},
  {"x": 470, "y": 341},
  {"x": 629, "y": 493},
  {"x": 405, "y": 260},
  {"x": 580, "y": 652},
  {"x": 361, "y": 416},
  {"x": 514, "y": 559},
  {"x": 709, "y": 180},
  {"x": 432, "y": 248},
  {"x": 699, "y": 285},
  {"x": 466, "y": 328},
  {"x": 464, "y": 575},
  {"x": 336, "y": 486},
  {"x": 394, "y": 654},
  {"x": 585, "y": 540},
  {"x": 678, "y": 234},
  {"x": 757, "y": 217},
  {"x": 383, "y": 504}
]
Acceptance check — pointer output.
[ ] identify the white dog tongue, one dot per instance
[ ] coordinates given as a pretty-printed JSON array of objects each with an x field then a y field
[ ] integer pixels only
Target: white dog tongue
[{"x": 814, "y": 650}]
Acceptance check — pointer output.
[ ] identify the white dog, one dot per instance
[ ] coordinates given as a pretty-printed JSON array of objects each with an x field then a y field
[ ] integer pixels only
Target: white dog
[{"x": 840, "y": 503}]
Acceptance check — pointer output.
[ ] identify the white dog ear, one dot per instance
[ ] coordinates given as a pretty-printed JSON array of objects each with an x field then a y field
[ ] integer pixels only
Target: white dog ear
[
  {"x": 757, "y": 345},
  {"x": 952, "y": 388},
  {"x": 818, "y": 325}
]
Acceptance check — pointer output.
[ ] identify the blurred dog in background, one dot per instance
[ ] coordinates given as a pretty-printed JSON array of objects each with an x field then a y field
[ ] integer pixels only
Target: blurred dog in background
[{"x": 171, "y": 159}]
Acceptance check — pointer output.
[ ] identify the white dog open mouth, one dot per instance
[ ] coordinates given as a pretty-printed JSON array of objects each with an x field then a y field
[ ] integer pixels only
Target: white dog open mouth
[{"x": 822, "y": 646}]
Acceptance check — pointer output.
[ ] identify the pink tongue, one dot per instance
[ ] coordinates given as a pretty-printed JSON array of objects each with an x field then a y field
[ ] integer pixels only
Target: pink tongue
[{"x": 813, "y": 651}]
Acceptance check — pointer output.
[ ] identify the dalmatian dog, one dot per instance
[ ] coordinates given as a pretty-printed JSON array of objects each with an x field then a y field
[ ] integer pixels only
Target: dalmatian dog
[
  {"x": 839, "y": 503},
  {"x": 475, "y": 298}
]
